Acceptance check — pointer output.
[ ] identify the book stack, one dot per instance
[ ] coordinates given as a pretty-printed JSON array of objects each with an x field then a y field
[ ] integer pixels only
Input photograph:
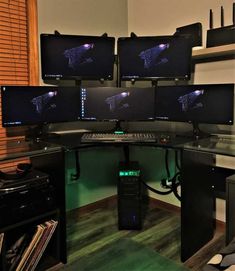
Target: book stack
[{"x": 32, "y": 248}]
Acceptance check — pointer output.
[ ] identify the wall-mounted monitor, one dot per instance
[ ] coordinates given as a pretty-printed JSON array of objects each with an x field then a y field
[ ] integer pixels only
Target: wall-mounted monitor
[
  {"x": 207, "y": 103},
  {"x": 153, "y": 58},
  {"x": 38, "y": 105},
  {"x": 77, "y": 57},
  {"x": 114, "y": 104}
]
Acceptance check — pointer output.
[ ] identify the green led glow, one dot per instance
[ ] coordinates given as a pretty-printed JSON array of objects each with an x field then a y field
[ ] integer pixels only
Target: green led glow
[
  {"x": 129, "y": 173},
  {"x": 118, "y": 132}
]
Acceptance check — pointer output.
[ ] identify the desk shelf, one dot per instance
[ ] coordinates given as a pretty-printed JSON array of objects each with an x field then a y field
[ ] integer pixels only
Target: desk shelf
[{"x": 32, "y": 211}]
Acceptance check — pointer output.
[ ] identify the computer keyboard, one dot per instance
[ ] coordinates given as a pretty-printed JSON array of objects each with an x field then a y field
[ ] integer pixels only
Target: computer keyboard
[{"x": 116, "y": 137}]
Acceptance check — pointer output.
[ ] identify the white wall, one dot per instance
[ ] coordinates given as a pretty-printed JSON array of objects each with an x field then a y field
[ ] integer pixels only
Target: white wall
[
  {"x": 83, "y": 17},
  {"x": 161, "y": 17}
]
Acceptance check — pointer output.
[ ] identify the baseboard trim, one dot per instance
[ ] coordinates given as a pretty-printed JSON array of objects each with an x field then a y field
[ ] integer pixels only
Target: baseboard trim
[
  {"x": 112, "y": 201},
  {"x": 153, "y": 203},
  {"x": 220, "y": 226},
  {"x": 103, "y": 203}
]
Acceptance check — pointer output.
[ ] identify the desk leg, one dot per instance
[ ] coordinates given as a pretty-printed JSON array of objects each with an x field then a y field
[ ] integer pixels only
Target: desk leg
[
  {"x": 198, "y": 202},
  {"x": 230, "y": 208}
]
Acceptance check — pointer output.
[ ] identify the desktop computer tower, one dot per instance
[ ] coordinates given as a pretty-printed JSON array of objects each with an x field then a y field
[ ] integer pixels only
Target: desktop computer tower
[{"x": 129, "y": 196}]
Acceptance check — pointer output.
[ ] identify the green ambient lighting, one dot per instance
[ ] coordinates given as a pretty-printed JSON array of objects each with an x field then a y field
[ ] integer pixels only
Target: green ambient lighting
[
  {"x": 129, "y": 173},
  {"x": 118, "y": 132}
]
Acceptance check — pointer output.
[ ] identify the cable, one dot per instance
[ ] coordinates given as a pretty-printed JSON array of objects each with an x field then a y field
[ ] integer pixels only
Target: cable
[
  {"x": 76, "y": 176},
  {"x": 175, "y": 178},
  {"x": 166, "y": 164},
  {"x": 176, "y": 184},
  {"x": 155, "y": 190},
  {"x": 176, "y": 160}
]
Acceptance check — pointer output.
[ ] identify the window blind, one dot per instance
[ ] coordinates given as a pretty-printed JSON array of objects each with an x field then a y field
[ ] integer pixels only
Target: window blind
[{"x": 13, "y": 43}]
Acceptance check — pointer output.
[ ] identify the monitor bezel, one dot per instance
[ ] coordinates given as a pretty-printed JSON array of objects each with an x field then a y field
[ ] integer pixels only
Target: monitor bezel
[
  {"x": 119, "y": 119},
  {"x": 195, "y": 122},
  {"x": 31, "y": 123},
  {"x": 155, "y": 78},
  {"x": 75, "y": 77}
]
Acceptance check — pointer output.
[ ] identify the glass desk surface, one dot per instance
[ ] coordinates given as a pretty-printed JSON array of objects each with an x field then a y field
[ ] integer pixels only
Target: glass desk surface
[
  {"x": 16, "y": 148},
  {"x": 214, "y": 144}
]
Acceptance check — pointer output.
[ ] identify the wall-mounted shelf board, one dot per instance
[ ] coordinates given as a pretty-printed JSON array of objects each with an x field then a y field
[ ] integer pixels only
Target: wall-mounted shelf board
[{"x": 224, "y": 50}]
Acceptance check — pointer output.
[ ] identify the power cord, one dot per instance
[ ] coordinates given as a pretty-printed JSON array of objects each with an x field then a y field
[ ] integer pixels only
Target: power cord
[
  {"x": 76, "y": 176},
  {"x": 175, "y": 180},
  {"x": 157, "y": 191}
]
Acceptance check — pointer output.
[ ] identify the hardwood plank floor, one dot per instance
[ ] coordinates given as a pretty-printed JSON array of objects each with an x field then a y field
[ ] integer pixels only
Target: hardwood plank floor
[{"x": 90, "y": 230}]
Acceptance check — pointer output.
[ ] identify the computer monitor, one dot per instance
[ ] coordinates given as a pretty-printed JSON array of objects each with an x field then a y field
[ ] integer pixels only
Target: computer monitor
[
  {"x": 39, "y": 105},
  {"x": 77, "y": 57},
  {"x": 206, "y": 103},
  {"x": 153, "y": 58},
  {"x": 117, "y": 104}
]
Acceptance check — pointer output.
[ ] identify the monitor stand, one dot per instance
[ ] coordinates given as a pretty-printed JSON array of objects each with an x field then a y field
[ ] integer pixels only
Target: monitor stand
[
  {"x": 39, "y": 133},
  {"x": 118, "y": 128},
  {"x": 196, "y": 133}
]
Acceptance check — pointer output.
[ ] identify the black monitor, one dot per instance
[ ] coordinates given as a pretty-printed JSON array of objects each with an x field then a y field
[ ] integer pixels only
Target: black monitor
[
  {"x": 153, "y": 58},
  {"x": 77, "y": 57},
  {"x": 38, "y": 105},
  {"x": 207, "y": 103},
  {"x": 117, "y": 104}
]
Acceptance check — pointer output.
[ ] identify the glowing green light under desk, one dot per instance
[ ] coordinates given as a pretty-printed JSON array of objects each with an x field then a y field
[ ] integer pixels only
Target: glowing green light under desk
[{"x": 129, "y": 173}]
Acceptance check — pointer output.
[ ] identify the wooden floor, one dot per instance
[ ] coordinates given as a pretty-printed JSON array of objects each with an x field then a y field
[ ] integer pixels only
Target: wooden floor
[{"x": 89, "y": 230}]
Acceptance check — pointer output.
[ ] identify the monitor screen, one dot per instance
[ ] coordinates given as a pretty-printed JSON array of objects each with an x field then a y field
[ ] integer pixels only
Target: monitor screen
[
  {"x": 212, "y": 103},
  {"x": 34, "y": 105},
  {"x": 77, "y": 57},
  {"x": 110, "y": 103},
  {"x": 160, "y": 57}
]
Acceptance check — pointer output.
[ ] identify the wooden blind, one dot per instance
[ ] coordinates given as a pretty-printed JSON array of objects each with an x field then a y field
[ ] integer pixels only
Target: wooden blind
[
  {"x": 13, "y": 43},
  {"x": 18, "y": 48}
]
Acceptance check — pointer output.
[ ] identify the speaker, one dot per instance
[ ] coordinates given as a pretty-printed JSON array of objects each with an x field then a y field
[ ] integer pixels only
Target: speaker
[
  {"x": 129, "y": 196},
  {"x": 25, "y": 198},
  {"x": 220, "y": 36},
  {"x": 195, "y": 32}
]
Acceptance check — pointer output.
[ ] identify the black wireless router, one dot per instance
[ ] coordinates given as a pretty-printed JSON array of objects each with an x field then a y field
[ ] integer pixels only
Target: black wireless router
[{"x": 222, "y": 35}]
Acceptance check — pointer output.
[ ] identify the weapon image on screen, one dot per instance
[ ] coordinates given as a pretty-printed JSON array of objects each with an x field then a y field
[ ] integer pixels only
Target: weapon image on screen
[
  {"x": 188, "y": 100},
  {"x": 43, "y": 101},
  {"x": 152, "y": 57},
  {"x": 77, "y": 55},
  {"x": 115, "y": 101}
]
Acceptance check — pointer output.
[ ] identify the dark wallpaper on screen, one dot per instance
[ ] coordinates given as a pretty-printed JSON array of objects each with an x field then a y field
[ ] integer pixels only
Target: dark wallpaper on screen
[
  {"x": 195, "y": 103},
  {"x": 34, "y": 105},
  {"x": 85, "y": 57},
  {"x": 118, "y": 103}
]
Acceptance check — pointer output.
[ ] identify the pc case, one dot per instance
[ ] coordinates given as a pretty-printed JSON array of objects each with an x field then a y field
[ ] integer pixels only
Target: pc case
[{"x": 129, "y": 196}]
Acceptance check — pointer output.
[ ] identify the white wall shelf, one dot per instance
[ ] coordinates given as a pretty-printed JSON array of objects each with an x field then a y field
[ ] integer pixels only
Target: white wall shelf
[{"x": 218, "y": 51}]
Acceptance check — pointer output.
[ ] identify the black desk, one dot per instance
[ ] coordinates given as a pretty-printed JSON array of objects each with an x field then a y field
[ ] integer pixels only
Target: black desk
[
  {"x": 197, "y": 188},
  {"x": 200, "y": 169},
  {"x": 198, "y": 198}
]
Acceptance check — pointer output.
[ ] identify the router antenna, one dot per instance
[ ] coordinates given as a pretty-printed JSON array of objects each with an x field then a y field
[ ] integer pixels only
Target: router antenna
[
  {"x": 222, "y": 16},
  {"x": 234, "y": 13},
  {"x": 211, "y": 19}
]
